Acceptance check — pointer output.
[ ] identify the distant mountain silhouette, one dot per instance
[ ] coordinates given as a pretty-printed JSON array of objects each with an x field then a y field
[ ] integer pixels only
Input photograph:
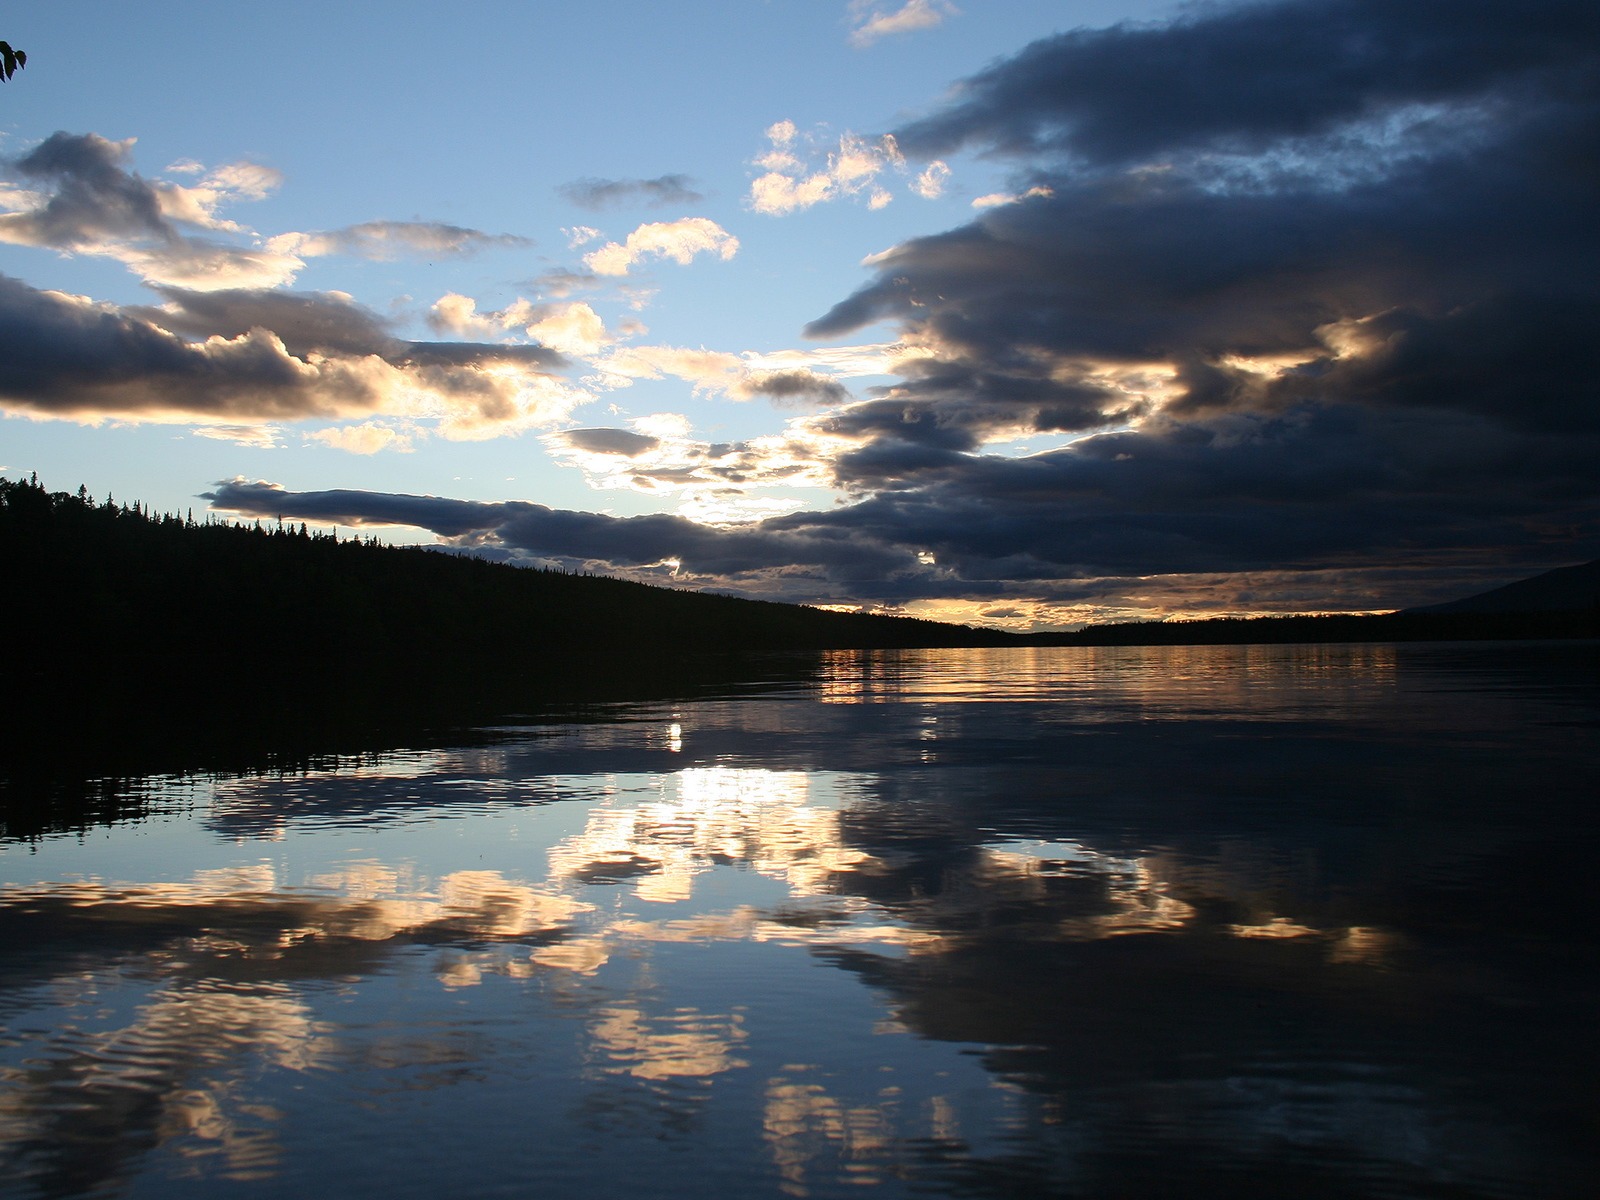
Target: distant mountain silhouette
[{"x": 1564, "y": 589}]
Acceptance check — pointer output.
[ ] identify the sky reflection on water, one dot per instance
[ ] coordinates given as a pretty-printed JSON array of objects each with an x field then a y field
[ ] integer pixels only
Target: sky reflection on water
[{"x": 1240, "y": 921}]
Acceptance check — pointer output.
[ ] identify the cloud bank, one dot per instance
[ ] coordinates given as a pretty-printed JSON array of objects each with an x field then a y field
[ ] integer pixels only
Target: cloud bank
[{"x": 1311, "y": 301}]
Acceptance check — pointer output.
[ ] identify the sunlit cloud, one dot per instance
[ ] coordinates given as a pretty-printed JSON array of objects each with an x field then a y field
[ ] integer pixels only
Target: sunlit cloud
[
  {"x": 456, "y": 314},
  {"x": 883, "y": 358},
  {"x": 572, "y": 328},
  {"x": 872, "y": 22},
  {"x": 929, "y": 184},
  {"x": 366, "y": 438},
  {"x": 794, "y": 178},
  {"x": 707, "y": 370},
  {"x": 581, "y": 235},
  {"x": 260, "y": 437},
  {"x": 197, "y": 204},
  {"x": 787, "y": 378},
  {"x": 997, "y": 199},
  {"x": 679, "y": 241}
]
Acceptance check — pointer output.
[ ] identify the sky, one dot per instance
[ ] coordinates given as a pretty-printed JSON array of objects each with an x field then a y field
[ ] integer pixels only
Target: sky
[{"x": 1012, "y": 312}]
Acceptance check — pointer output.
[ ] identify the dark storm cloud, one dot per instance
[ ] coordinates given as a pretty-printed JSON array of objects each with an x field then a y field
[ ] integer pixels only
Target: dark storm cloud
[
  {"x": 1343, "y": 328},
  {"x": 94, "y": 197},
  {"x": 323, "y": 322},
  {"x": 1301, "y": 492},
  {"x": 1318, "y": 486},
  {"x": 472, "y": 354},
  {"x": 599, "y": 194},
  {"x": 1246, "y": 76},
  {"x": 448, "y": 518},
  {"x": 524, "y": 530},
  {"x": 794, "y": 387},
  {"x": 958, "y": 406}
]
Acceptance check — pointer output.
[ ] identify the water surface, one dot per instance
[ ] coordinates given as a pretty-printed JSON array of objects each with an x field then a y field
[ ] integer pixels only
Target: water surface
[{"x": 1200, "y": 921}]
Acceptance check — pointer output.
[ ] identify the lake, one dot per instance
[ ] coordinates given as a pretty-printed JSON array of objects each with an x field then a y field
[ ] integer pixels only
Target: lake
[{"x": 1308, "y": 921}]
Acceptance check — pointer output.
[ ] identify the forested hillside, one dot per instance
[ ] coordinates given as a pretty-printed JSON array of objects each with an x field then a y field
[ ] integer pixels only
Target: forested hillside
[{"x": 120, "y": 618}]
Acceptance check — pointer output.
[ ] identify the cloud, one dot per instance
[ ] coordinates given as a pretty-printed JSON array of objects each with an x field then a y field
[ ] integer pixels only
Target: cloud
[
  {"x": 872, "y": 23},
  {"x": 199, "y": 204},
  {"x": 717, "y": 483},
  {"x": 90, "y": 203},
  {"x": 305, "y": 322},
  {"x": 385, "y": 240},
  {"x": 573, "y": 328},
  {"x": 995, "y": 199},
  {"x": 560, "y": 282},
  {"x": 930, "y": 183},
  {"x": 786, "y": 377},
  {"x": 366, "y": 438},
  {"x": 618, "y": 442},
  {"x": 93, "y": 204},
  {"x": 680, "y": 241},
  {"x": 1250, "y": 77},
  {"x": 259, "y": 437},
  {"x": 792, "y": 179},
  {"x": 800, "y": 386},
  {"x": 599, "y": 194},
  {"x": 73, "y": 358},
  {"x": 881, "y": 358},
  {"x": 565, "y": 328},
  {"x": 708, "y": 370}
]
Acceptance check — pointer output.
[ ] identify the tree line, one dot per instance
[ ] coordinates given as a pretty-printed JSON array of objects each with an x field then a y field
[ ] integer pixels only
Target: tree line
[{"x": 121, "y": 618}]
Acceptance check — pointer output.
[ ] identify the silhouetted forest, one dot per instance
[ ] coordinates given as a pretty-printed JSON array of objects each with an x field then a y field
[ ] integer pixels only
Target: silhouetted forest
[{"x": 1338, "y": 627}]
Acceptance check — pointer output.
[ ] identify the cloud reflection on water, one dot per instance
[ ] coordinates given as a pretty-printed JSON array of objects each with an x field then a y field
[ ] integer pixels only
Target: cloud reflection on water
[
  {"x": 246, "y": 927},
  {"x": 1182, "y": 936}
]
